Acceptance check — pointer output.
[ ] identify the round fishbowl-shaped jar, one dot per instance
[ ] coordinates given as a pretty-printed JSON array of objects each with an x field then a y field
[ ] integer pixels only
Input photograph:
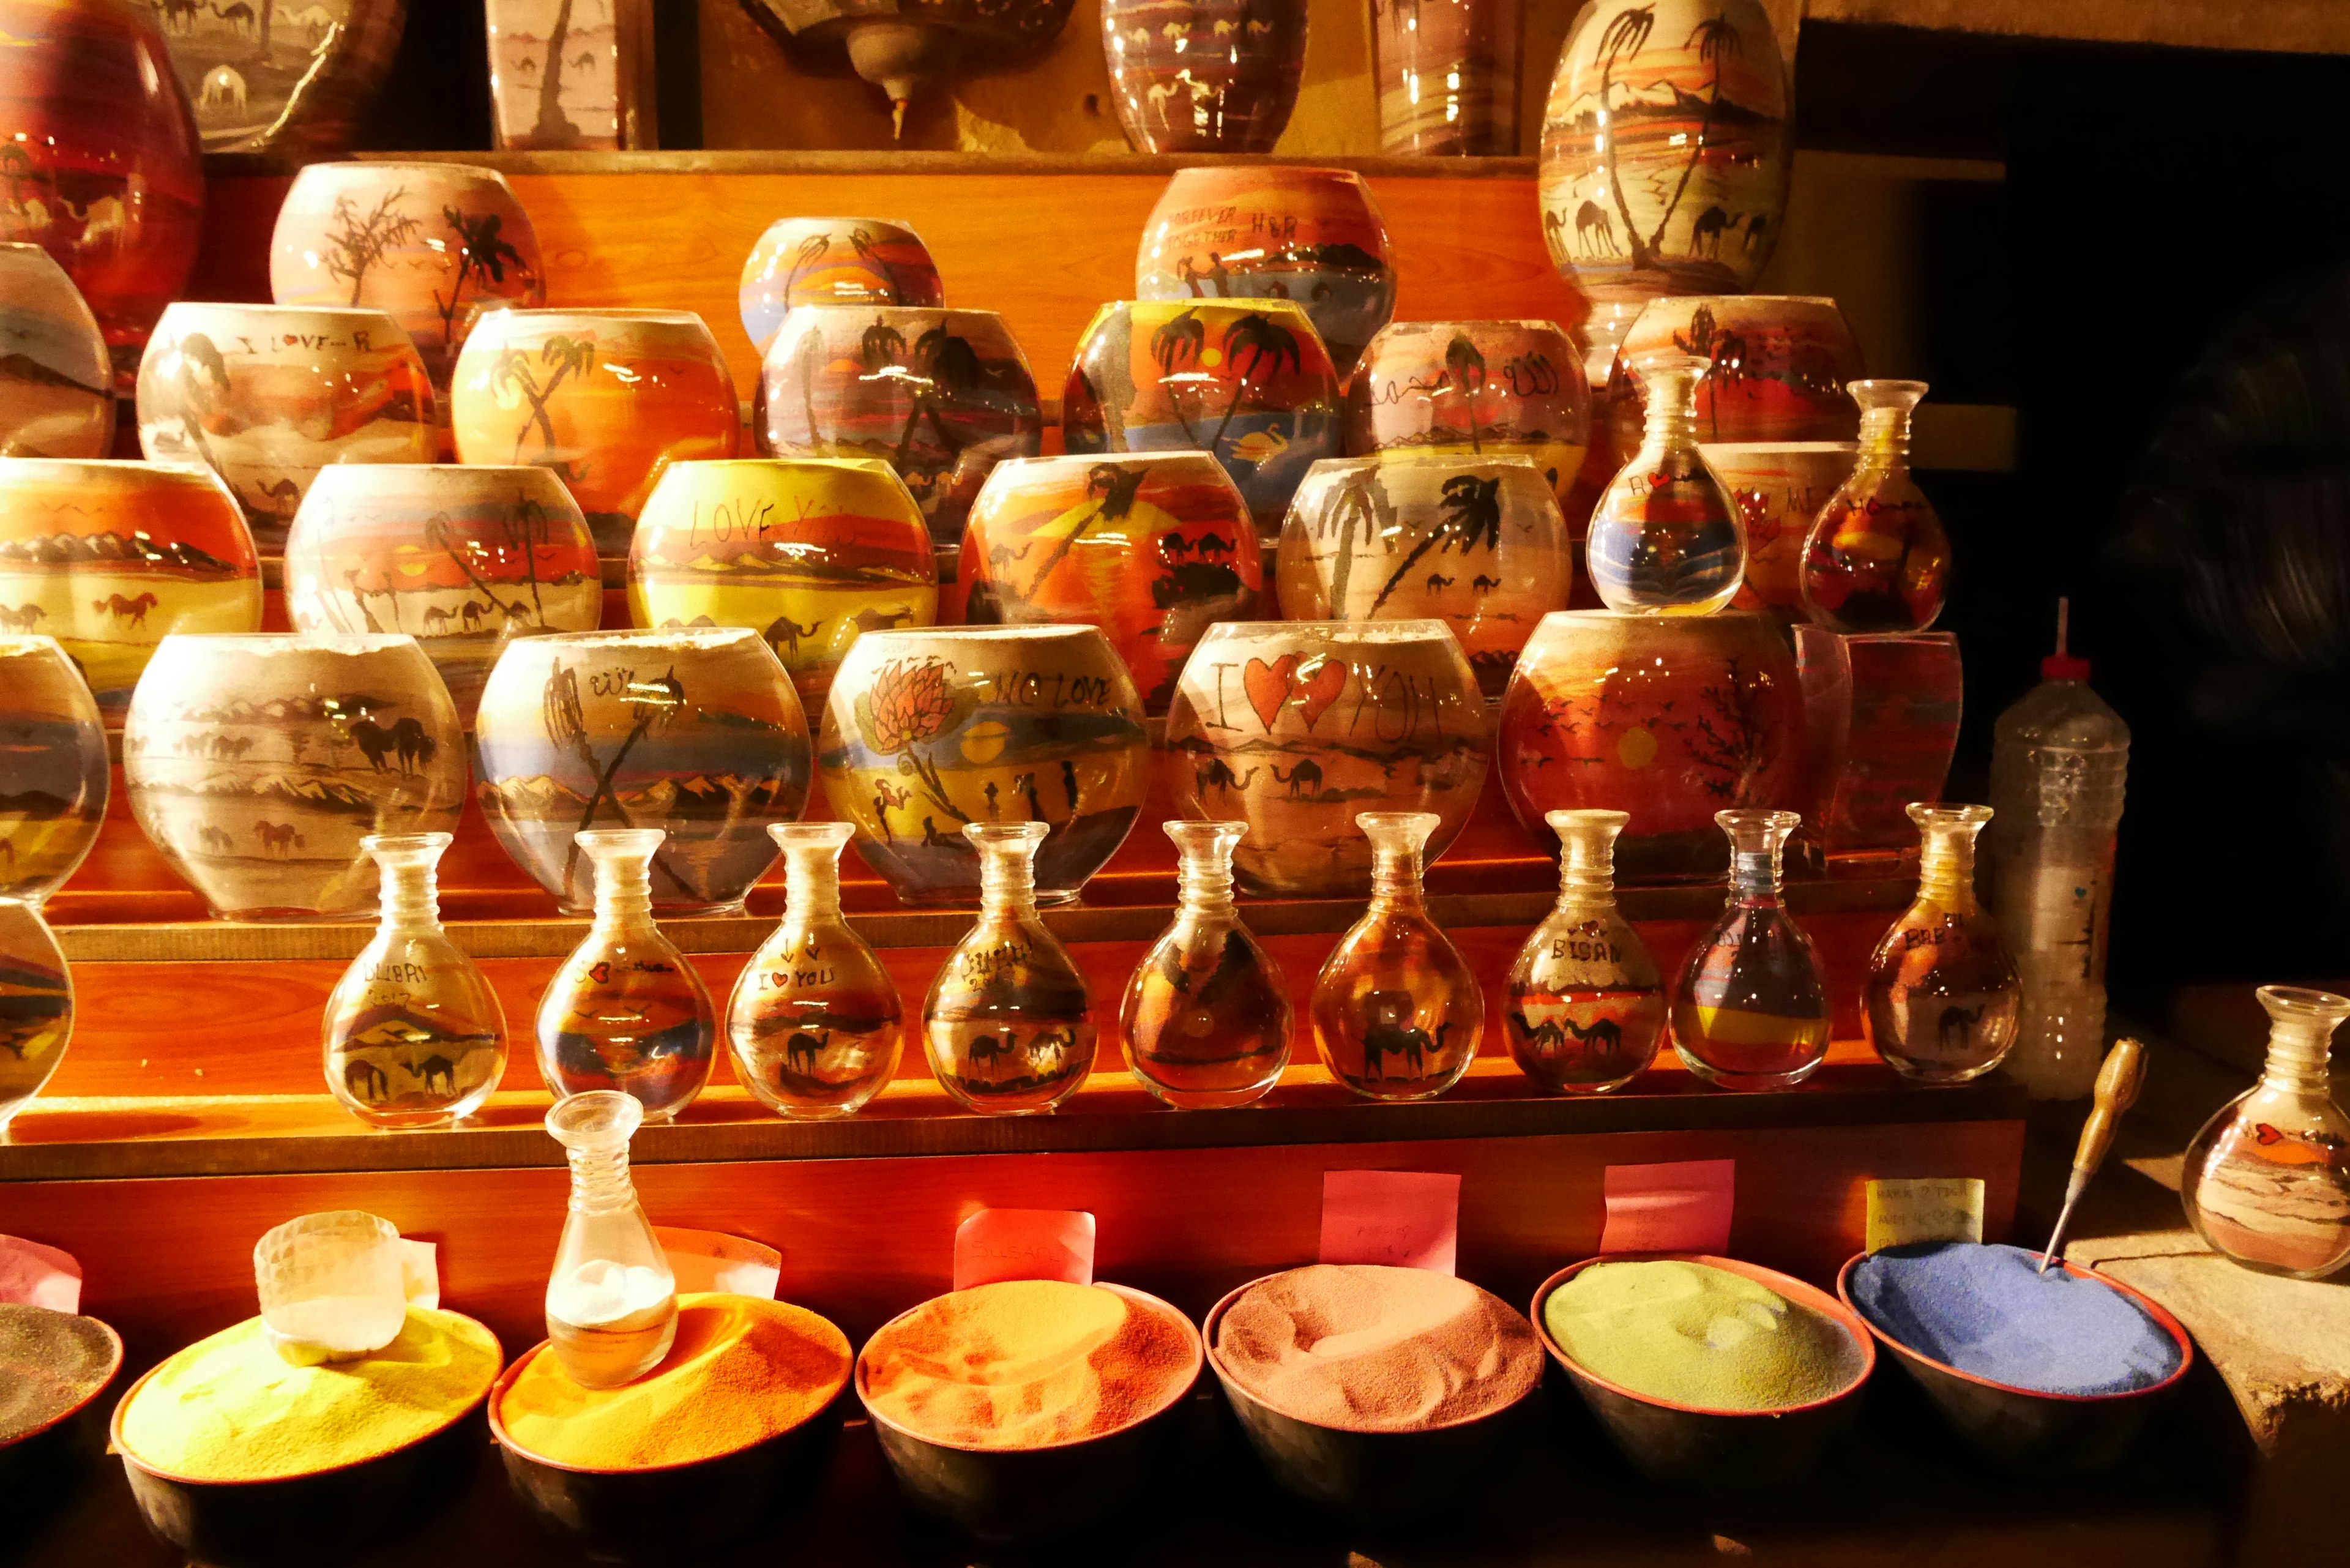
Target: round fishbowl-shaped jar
[{"x": 53, "y": 798}]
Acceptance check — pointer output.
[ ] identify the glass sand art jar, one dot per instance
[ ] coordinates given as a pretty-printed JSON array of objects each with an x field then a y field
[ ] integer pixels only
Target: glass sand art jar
[
  {"x": 1206, "y": 1017},
  {"x": 1397, "y": 1013},
  {"x": 612, "y": 1299},
  {"x": 2266, "y": 1181},
  {"x": 1941, "y": 999},
  {"x": 1667, "y": 538},
  {"x": 1587, "y": 1008},
  {"x": 1876, "y": 558},
  {"x": 1749, "y": 1009}
]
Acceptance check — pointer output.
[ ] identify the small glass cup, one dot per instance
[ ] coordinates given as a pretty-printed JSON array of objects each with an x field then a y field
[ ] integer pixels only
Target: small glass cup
[{"x": 331, "y": 1287}]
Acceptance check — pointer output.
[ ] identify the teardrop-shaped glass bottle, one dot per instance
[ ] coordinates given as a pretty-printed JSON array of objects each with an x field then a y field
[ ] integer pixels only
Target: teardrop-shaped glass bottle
[
  {"x": 1941, "y": 999},
  {"x": 1397, "y": 1013},
  {"x": 1587, "y": 1003},
  {"x": 414, "y": 1036},
  {"x": 2266, "y": 1181},
  {"x": 611, "y": 1298},
  {"x": 627, "y": 1010},
  {"x": 1206, "y": 1017},
  {"x": 1751, "y": 1008},
  {"x": 1877, "y": 557},
  {"x": 38, "y": 1018},
  {"x": 1667, "y": 538},
  {"x": 1007, "y": 1025},
  {"x": 814, "y": 1021}
]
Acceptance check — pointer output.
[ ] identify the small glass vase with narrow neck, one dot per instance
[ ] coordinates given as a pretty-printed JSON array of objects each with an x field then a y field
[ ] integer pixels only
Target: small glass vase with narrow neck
[
  {"x": 1749, "y": 1009},
  {"x": 814, "y": 1021},
  {"x": 2266, "y": 1181},
  {"x": 1667, "y": 538},
  {"x": 611, "y": 1300},
  {"x": 414, "y": 1037},
  {"x": 627, "y": 1010},
  {"x": 1877, "y": 557},
  {"x": 1007, "y": 1025},
  {"x": 1941, "y": 999},
  {"x": 1397, "y": 1013},
  {"x": 1206, "y": 1017},
  {"x": 1587, "y": 1003}
]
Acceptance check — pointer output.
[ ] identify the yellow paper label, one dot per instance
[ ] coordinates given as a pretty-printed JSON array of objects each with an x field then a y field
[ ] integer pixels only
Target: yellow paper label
[{"x": 1924, "y": 1209}]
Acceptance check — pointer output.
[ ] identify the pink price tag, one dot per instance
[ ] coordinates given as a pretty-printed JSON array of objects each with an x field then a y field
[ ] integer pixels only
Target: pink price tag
[
  {"x": 1682, "y": 1207},
  {"x": 1024, "y": 1244},
  {"x": 713, "y": 1260},
  {"x": 35, "y": 1276},
  {"x": 1408, "y": 1219}
]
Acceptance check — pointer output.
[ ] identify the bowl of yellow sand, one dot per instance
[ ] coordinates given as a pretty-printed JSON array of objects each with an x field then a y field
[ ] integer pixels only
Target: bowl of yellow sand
[
  {"x": 1029, "y": 1409},
  {"x": 733, "y": 1423},
  {"x": 242, "y": 1459},
  {"x": 1705, "y": 1371}
]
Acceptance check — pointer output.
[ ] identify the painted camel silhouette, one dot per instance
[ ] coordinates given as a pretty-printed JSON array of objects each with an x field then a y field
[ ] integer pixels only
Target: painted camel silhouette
[
  {"x": 1957, "y": 1024},
  {"x": 1304, "y": 779},
  {"x": 1437, "y": 581},
  {"x": 802, "y": 1050},
  {"x": 365, "y": 1082},
  {"x": 404, "y": 740},
  {"x": 784, "y": 633},
  {"x": 279, "y": 838},
  {"x": 1218, "y": 774}
]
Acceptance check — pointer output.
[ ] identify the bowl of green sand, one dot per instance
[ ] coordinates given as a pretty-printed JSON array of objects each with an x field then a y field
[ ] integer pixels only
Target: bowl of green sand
[
  {"x": 2039, "y": 1374},
  {"x": 1706, "y": 1372}
]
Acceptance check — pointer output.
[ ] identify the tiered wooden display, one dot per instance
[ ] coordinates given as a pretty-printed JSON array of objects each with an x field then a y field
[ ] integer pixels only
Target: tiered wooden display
[{"x": 191, "y": 1112}]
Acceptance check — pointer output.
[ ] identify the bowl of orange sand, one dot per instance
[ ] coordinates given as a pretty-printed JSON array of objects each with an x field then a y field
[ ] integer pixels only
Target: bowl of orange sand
[
  {"x": 1028, "y": 1408},
  {"x": 1379, "y": 1394},
  {"x": 240, "y": 1459},
  {"x": 734, "y": 1421}
]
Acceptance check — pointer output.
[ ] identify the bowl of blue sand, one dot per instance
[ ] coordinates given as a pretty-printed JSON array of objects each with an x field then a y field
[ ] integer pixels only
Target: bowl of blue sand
[{"x": 2047, "y": 1373}]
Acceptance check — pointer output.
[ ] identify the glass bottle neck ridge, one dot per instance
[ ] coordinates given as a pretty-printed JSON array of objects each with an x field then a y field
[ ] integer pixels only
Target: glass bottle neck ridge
[
  {"x": 812, "y": 884},
  {"x": 599, "y": 1178},
  {"x": 1946, "y": 868}
]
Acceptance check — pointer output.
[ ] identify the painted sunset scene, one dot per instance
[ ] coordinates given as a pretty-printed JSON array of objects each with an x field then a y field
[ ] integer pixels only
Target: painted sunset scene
[{"x": 1663, "y": 148}]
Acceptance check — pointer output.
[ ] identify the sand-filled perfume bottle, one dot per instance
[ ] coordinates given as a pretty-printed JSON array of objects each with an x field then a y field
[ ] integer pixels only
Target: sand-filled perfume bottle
[
  {"x": 814, "y": 1021},
  {"x": 627, "y": 1010},
  {"x": 1751, "y": 1008},
  {"x": 1397, "y": 1013},
  {"x": 414, "y": 1036},
  {"x": 1667, "y": 538},
  {"x": 1941, "y": 999},
  {"x": 611, "y": 1300},
  {"x": 1586, "y": 1004},
  {"x": 1006, "y": 1026},
  {"x": 1206, "y": 1017},
  {"x": 2266, "y": 1181},
  {"x": 36, "y": 1006},
  {"x": 1877, "y": 558}
]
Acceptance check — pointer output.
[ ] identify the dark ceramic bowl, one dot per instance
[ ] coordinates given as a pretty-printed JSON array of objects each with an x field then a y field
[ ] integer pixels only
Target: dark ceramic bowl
[
  {"x": 40, "y": 1467},
  {"x": 1723, "y": 1451},
  {"x": 2022, "y": 1431},
  {"x": 325, "y": 1517},
  {"x": 666, "y": 1512},
  {"x": 1032, "y": 1494},
  {"x": 1364, "y": 1475}
]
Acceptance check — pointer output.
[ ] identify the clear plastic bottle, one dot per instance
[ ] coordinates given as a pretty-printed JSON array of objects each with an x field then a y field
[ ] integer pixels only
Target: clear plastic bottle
[
  {"x": 1587, "y": 1005},
  {"x": 1206, "y": 1017},
  {"x": 1667, "y": 538},
  {"x": 1007, "y": 1025},
  {"x": 814, "y": 1021},
  {"x": 2266, "y": 1181},
  {"x": 1397, "y": 1013},
  {"x": 1751, "y": 1008},
  {"x": 2059, "y": 761},
  {"x": 1940, "y": 997},
  {"x": 611, "y": 1300},
  {"x": 414, "y": 1035},
  {"x": 627, "y": 1010}
]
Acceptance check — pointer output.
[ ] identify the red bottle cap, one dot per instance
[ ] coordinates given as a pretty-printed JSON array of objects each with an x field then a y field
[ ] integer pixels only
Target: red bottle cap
[{"x": 2063, "y": 667}]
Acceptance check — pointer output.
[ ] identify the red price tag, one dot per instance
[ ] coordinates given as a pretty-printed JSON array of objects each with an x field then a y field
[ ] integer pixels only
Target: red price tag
[
  {"x": 1682, "y": 1207},
  {"x": 1024, "y": 1244},
  {"x": 1410, "y": 1219}
]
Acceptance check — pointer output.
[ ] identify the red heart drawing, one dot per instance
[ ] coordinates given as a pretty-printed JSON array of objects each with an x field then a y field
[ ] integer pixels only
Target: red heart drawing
[
  {"x": 1321, "y": 688},
  {"x": 1267, "y": 686}
]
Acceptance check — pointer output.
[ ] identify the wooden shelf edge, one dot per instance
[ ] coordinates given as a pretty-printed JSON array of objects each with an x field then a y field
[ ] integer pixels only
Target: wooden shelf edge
[
  {"x": 554, "y": 935},
  {"x": 915, "y": 1120},
  {"x": 863, "y": 161}
]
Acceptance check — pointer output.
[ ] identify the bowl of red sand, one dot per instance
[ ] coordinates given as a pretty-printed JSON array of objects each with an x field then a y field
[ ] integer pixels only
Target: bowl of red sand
[
  {"x": 1028, "y": 1408},
  {"x": 1706, "y": 1372},
  {"x": 53, "y": 1367},
  {"x": 1379, "y": 1394},
  {"x": 2040, "y": 1373},
  {"x": 733, "y": 1423}
]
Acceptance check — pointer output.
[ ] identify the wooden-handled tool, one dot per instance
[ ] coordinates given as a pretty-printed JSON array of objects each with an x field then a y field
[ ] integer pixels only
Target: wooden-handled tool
[{"x": 2118, "y": 1082}]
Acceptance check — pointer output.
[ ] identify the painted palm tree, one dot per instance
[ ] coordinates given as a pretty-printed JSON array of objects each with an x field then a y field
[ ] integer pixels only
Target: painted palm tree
[
  {"x": 511, "y": 373},
  {"x": 881, "y": 346},
  {"x": 524, "y": 529},
  {"x": 482, "y": 252},
  {"x": 1717, "y": 39},
  {"x": 1178, "y": 341},
  {"x": 1473, "y": 520},
  {"x": 862, "y": 243},
  {"x": 444, "y": 536},
  {"x": 811, "y": 251},
  {"x": 1626, "y": 35},
  {"x": 656, "y": 704},
  {"x": 555, "y": 127},
  {"x": 1254, "y": 345},
  {"x": 945, "y": 367},
  {"x": 1465, "y": 363},
  {"x": 356, "y": 242},
  {"x": 1354, "y": 512},
  {"x": 1112, "y": 489}
]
